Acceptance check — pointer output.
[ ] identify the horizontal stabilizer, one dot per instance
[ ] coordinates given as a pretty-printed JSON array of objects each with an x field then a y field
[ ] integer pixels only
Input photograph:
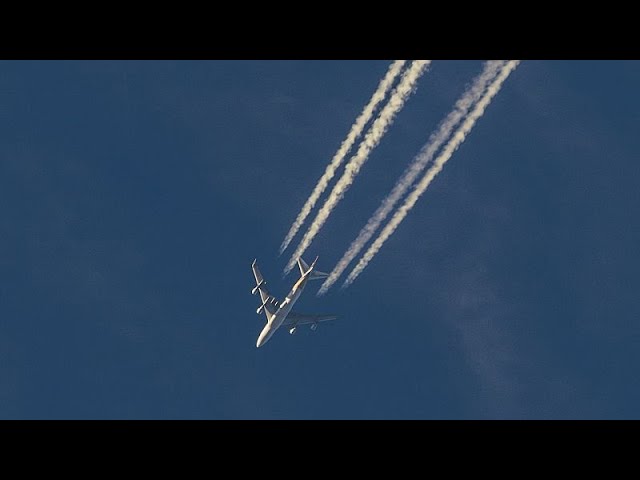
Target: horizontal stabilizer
[
  {"x": 316, "y": 275},
  {"x": 302, "y": 265}
]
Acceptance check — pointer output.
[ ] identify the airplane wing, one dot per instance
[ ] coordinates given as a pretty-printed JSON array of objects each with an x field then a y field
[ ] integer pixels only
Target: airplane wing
[
  {"x": 301, "y": 319},
  {"x": 269, "y": 301}
]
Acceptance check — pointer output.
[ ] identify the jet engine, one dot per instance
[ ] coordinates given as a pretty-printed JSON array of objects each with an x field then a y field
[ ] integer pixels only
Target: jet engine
[
  {"x": 261, "y": 307},
  {"x": 292, "y": 330},
  {"x": 257, "y": 287},
  {"x": 314, "y": 327}
]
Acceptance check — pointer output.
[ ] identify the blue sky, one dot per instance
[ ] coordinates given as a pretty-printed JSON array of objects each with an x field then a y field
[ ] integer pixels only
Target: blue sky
[{"x": 135, "y": 194}]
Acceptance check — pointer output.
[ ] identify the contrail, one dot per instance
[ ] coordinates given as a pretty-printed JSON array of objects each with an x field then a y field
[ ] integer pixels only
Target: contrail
[
  {"x": 383, "y": 87},
  {"x": 419, "y": 163},
  {"x": 377, "y": 130},
  {"x": 457, "y": 139}
]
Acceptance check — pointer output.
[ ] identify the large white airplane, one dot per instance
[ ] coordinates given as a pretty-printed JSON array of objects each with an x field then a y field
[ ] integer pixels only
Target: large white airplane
[{"x": 279, "y": 313}]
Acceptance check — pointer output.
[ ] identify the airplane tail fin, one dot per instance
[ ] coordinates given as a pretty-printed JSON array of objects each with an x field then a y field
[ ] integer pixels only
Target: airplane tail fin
[{"x": 315, "y": 274}]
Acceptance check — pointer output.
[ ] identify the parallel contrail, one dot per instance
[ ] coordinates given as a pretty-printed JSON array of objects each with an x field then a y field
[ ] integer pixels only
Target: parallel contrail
[
  {"x": 419, "y": 163},
  {"x": 379, "y": 127},
  {"x": 457, "y": 139},
  {"x": 383, "y": 87}
]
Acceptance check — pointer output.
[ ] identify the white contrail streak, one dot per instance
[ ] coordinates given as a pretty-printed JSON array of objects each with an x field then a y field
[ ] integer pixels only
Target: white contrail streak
[
  {"x": 383, "y": 88},
  {"x": 377, "y": 130},
  {"x": 419, "y": 163},
  {"x": 457, "y": 139}
]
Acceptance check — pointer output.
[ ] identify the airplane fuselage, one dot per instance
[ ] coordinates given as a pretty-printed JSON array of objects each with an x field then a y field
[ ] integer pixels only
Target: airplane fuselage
[{"x": 283, "y": 310}]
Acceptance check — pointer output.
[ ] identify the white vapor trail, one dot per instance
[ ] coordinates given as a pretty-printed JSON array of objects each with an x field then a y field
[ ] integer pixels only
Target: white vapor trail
[
  {"x": 383, "y": 87},
  {"x": 377, "y": 130},
  {"x": 458, "y": 137},
  {"x": 419, "y": 163}
]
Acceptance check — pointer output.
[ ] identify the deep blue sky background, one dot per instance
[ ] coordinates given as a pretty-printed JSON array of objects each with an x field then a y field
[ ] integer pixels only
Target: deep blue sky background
[{"x": 134, "y": 196}]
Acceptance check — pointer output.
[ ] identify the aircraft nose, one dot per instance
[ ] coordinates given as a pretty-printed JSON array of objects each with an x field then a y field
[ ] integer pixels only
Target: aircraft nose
[{"x": 261, "y": 340}]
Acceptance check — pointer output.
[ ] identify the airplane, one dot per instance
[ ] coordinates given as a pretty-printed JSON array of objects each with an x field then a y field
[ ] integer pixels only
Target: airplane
[{"x": 279, "y": 313}]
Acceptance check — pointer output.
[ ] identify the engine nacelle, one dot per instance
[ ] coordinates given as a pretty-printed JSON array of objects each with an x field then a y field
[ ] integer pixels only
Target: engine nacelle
[
  {"x": 292, "y": 330},
  {"x": 261, "y": 307},
  {"x": 257, "y": 287},
  {"x": 314, "y": 327}
]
